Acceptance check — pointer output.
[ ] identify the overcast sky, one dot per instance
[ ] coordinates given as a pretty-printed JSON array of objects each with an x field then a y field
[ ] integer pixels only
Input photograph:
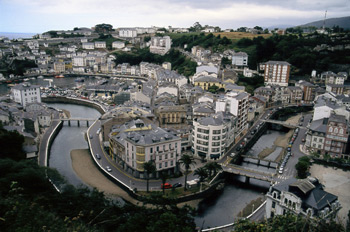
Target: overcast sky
[{"x": 38, "y": 16}]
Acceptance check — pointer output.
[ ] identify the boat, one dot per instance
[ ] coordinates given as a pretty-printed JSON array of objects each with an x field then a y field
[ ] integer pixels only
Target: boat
[
  {"x": 59, "y": 76},
  {"x": 79, "y": 79}
]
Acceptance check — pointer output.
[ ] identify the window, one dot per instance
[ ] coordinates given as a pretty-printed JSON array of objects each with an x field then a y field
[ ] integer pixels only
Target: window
[
  {"x": 151, "y": 150},
  {"x": 166, "y": 156},
  {"x": 336, "y": 130},
  {"x": 160, "y": 165},
  {"x": 160, "y": 157},
  {"x": 171, "y": 163},
  {"x": 273, "y": 204},
  {"x": 166, "y": 164},
  {"x": 341, "y": 131},
  {"x": 330, "y": 129}
]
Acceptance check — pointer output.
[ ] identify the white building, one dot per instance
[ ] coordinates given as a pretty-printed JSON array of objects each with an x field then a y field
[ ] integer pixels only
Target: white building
[
  {"x": 79, "y": 61},
  {"x": 100, "y": 44},
  {"x": 26, "y": 93},
  {"x": 89, "y": 46},
  {"x": 127, "y": 32},
  {"x": 277, "y": 73},
  {"x": 212, "y": 135},
  {"x": 160, "y": 45},
  {"x": 118, "y": 44},
  {"x": 301, "y": 197},
  {"x": 240, "y": 59},
  {"x": 236, "y": 103}
]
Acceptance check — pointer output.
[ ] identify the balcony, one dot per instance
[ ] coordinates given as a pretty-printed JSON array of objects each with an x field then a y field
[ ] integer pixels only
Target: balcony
[
  {"x": 139, "y": 166},
  {"x": 140, "y": 157}
]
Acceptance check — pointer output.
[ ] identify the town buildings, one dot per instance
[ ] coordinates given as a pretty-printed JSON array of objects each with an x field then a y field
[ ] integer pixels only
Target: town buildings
[
  {"x": 135, "y": 143},
  {"x": 212, "y": 135},
  {"x": 237, "y": 104},
  {"x": 26, "y": 93},
  {"x": 160, "y": 45},
  {"x": 240, "y": 59},
  {"x": 276, "y": 73},
  {"x": 301, "y": 197}
]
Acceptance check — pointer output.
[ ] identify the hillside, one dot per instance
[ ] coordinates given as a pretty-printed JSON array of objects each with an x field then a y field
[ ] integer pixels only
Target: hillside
[{"x": 343, "y": 22}]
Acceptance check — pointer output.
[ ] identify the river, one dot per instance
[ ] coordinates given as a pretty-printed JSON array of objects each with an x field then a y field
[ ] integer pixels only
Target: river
[{"x": 70, "y": 138}]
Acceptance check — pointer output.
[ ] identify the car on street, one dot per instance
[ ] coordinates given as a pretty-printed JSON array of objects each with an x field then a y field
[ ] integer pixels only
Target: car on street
[
  {"x": 238, "y": 148},
  {"x": 177, "y": 185},
  {"x": 280, "y": 171},
  {"x": 108, "y": 168},
  {"x": 166, "y": 186},
  {"x": 98, "y": 156},
  {"x": 90, "y": 136}
]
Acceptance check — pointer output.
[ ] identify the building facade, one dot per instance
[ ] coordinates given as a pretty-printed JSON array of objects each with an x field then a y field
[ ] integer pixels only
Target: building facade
[
  {"x": 26, "y": 93},
  {"x": 304, "y": 197},
  {"x": 276, "y": 73},
  {"x": 212, "y": 135},
  {"x": 135, "y": 143}
]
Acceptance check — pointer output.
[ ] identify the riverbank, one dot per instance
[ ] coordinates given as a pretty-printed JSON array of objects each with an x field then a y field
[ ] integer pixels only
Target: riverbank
[
  {"x": 337, "y": 182},
  {"x": 84, "y": 167},
  {"x": 281, "y": 141}
]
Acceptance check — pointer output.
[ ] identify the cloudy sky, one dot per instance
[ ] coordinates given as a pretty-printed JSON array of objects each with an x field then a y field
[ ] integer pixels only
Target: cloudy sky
[{"x": 37, "y": 16}]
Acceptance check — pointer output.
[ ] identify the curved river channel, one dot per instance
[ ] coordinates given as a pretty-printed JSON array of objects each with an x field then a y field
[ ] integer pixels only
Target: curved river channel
[{"x": 218, "y": 210}]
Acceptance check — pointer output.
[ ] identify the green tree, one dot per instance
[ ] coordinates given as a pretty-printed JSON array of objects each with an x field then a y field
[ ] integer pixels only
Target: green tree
[
  {"x": 202, "y": 173},
  {"x": 187, "y": 161},
  {"x": 302, "y": 167},
  {"x": 11, "y": 143},
  {"x": 103, "y": 28},
  {"x": 213, "y": 168},
  {"x": 149, "y": 169}
]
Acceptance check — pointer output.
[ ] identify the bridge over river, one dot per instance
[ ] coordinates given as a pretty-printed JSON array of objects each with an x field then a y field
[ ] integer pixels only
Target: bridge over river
[{"x": 248, "y": 173}]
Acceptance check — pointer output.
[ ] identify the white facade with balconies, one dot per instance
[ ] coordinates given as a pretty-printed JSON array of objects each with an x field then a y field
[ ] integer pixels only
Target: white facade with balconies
[{"x": 212, "y": 135}]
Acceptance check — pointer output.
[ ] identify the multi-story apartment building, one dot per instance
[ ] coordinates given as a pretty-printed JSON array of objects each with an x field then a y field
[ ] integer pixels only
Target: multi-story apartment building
[
  {"x": 79, "y": 61},
  {"x": 309, "y": 90},
  {"x": 59, "y": 67},
  {"x": 134, "y": 143},
  {"x": 240, "y": 59},
  {"x": 301, "y": 197},
  {"x": 26, "y": 93},
  {"x": 127, "y": 32},
  {"x": 276, "y": 73},
  {"x": 337, "y": 136},
  {"x": 118, "y": 44},
  {"x": 315, "y": 136},
  {"x": 330, "y": 77},
  {"x": 236, "y": 103},
  {"x": 212, "y": 135},
  {"x": 160, "y": 45},
  {"x": 172, "y": 116}
]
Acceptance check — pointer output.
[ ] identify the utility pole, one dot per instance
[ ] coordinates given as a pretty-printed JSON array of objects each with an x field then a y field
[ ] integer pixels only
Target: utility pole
[{"x": 324, "y": 21}]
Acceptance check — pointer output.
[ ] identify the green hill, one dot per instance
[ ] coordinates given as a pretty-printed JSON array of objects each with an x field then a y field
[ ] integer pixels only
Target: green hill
[{"x": 343, "y": 22}]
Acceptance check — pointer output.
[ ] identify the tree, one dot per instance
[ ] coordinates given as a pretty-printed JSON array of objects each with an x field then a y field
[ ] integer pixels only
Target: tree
[
  {"x": 164, "y": 176},
  {"x": 258, "y": 28},
  {"x": 213, "y": 168},
  {"x": 187, "y": 161},
  {"x": 202, "y": 173},
  {"x": 11, "y": 143},
  {"x": 149, "y": 169},
  {"x": 302, "y": 167},
  {"x": 103, "y": 28}
]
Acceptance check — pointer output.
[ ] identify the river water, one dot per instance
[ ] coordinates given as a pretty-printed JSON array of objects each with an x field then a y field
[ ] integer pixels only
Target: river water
[
  {"x": 68, "y": 139},
  {"x": 219, "y": 210}
]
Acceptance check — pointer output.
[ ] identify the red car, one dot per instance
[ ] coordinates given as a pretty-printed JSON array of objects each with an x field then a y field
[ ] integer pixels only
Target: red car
[{"x": 166, "y": 186}]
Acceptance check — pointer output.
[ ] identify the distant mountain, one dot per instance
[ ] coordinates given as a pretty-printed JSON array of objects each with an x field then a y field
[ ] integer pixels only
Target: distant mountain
[
  {"x": 343, "y": 22},
  {"x": 279, "y": 27},
  {"x": 17, "y": 35}
]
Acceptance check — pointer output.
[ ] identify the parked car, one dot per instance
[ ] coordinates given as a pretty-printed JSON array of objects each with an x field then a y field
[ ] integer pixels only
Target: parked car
[
  {"x": 166, "y": 186},
  {"x": 238, "y": 148},
  {"x": 177, "y": 185},
  {"x": 108, "y": 168},
  {"x": 98, "y": 156}
]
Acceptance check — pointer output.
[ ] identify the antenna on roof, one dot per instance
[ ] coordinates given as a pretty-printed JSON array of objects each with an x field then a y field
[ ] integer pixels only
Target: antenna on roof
[{"x": 324, "y": 21}]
